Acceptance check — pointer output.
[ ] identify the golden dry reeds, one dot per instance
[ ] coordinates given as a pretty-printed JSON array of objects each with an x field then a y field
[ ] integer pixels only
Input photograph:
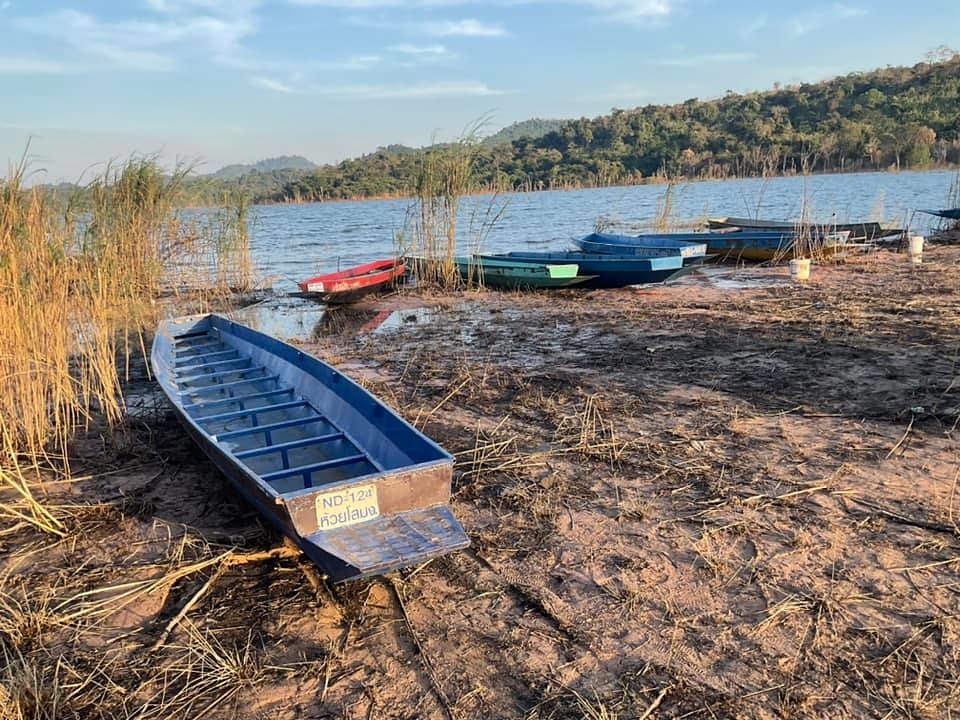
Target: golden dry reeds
[
  {"x": 953, "y": 201},
  {"x": 446, "y": 172},
  {"x": 39, "y": 398},
  {"x": 78, "y": 290},
  {"x": 664, "y": 222}
]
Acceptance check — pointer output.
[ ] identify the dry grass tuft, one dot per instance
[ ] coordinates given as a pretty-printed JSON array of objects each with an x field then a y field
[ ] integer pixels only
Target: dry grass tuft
[{"x": 588, "y": 434}]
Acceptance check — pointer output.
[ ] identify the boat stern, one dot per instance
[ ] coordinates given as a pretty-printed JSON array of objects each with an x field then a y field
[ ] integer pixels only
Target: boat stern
[{"x": 369, "y": 526}]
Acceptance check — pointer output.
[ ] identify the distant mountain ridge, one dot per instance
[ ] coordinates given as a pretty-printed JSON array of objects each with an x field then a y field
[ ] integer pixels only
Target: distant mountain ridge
[
  {"x": 532, "y": 129},
  {"x": 284, "y": 162},
  {"x": 892, "y": 117},
  {"x": 284, "y": 165}
]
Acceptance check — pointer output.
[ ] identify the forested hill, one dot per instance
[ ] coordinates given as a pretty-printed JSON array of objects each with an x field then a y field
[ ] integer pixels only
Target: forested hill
[
  {"x": 527, "y": 129},
  {"x": 892, "y": 117},
  {"x": 285, "y": 162}
]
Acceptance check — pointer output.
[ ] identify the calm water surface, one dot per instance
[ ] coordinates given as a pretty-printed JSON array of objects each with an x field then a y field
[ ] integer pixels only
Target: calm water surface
[{"x": 298, "y": 241}]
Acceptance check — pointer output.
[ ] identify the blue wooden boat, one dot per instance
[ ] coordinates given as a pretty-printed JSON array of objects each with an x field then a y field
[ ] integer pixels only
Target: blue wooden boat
[
  {"x": 769, "y": 246},
  {"x": 753, "y": 245},
  {"x": 357, "y": 488},
  {"x": 644, "y": 246},
  {"x": 609, "y": 271},
  {"x": 953, "y": 214},
  {"x": 869, "y": 230},
  {"x": 499, "y": 272}
]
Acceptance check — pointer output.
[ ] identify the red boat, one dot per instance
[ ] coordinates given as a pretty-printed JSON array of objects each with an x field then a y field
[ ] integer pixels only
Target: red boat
[{"x": 350, "y": 285}]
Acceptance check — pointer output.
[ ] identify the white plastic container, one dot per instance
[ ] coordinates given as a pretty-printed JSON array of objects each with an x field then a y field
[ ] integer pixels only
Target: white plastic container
[
  {"x": 916, "y": 250},
  {"x": 800, "y": 269}
]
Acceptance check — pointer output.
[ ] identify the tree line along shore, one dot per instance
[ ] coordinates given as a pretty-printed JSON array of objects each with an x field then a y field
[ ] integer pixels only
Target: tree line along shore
[{"x": 891, "y": 118}]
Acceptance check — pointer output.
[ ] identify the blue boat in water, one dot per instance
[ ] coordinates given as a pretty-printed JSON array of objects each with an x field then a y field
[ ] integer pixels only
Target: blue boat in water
[
  {"x": 951, "y": 214},
  {"x": 609, "y": 271},
  {"x": 356, "y": 487},
  {"x": 759, "y": 245},
  {"x": 692, "y": 251},
  {"x": 772, "y": 245}
]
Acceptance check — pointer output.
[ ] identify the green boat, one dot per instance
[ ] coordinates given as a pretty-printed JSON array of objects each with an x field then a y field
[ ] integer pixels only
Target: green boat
[{"x": 507, "y": 273}]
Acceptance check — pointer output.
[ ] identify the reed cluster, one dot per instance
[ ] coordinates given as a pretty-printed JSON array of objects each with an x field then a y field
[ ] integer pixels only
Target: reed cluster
[
  {"x": 232, "y": 260},
  {"x": 663, "y": 221},
  {"x": 80, "y": 283},
  {"x": 811, "y": 241},
  {"x": 444, "y": 174},
  {"x": 953, "y": 201}
]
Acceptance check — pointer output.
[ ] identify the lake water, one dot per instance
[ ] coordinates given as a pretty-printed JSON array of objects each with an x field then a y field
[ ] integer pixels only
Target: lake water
[{"x": 297, "y": 241}]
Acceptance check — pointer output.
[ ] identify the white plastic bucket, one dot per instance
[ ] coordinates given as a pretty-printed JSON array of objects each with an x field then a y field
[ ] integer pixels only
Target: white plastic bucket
[
  {"x": 916, "y": 250},
  {"x": 800, "y": 269}
]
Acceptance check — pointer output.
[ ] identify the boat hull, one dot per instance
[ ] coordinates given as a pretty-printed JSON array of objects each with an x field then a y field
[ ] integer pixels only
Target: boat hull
[
  {"x": 352, "y": 285},
  {"x": 737, "y": 246},
  {"x": 359, "y": 490},
  {"x": 509, "y": 274},
  {"x": 609, "y": 271},
  {"x": 690, "y": 249},
  {"x": 866, "y": 230},
  {"x": 951, "y": 214}
]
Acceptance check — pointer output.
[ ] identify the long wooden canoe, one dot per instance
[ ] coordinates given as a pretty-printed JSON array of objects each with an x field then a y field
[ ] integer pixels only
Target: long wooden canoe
[
  {"x": 769, "y": 246},
  {"x": 356, "y": 487},
  {"x": 861, "y": 230},
  {"x": 951, "y": 214},
  {"x": 687, "y": 245},
  {"x": 609, "y": 271},
  {"x": 519, "y": 274}
]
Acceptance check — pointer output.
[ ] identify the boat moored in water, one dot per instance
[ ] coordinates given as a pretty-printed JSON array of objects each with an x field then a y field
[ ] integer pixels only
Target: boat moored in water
[
  {"x": 771, "y": 246},
  {"x": 350, "y": 285},
  {"x": 868, "y": 230},
  {"x": 951, "y": 214},
  {"x": 688, "y": 246},
  {"x": 609, "y": 271},
  {"x": 508, "y": 273}
]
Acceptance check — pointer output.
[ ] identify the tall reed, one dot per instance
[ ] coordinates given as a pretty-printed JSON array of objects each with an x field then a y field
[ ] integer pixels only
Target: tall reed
[
  {"x": 79, "y": 288},
  {"x": 40, "y": 398},
  {"x": 663, "y": 221},
  {"x": 444, "y": 175},
  {"x": 233, "y": 265},
  {"x": 953, "y": 201}
]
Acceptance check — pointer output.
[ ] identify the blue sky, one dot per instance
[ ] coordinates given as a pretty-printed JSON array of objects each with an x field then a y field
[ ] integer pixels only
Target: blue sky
[{"x": 239, "y": 80}]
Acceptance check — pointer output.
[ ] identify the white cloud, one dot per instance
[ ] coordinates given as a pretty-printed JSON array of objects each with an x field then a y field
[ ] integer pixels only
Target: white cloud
[
  {"x": 385, "y": 92},
  {"x": 413, "y": 56},
  {"x": 271, "y": 84},
  {"x": 375, "y": 92},
  {"x": 377, "y": 4},
  {"x": 153, "y": 43},
  {"x": 709, "y": 59},
  {"x": 418, "y": 50},
  {"x": 354, "y": 62},
  {"x": 632, "y": 11},
  {"x": 820, "y": 18},
  {"x": 464, "y": 28},
  {"x": 31, "y": 66}
]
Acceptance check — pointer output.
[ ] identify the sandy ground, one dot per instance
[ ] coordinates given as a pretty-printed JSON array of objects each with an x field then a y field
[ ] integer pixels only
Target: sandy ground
[{"x": 730, "y": 497}]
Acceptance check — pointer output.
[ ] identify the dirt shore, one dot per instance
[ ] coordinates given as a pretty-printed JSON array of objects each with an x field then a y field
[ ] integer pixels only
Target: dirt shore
[{"x": 732, "y": 496}]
